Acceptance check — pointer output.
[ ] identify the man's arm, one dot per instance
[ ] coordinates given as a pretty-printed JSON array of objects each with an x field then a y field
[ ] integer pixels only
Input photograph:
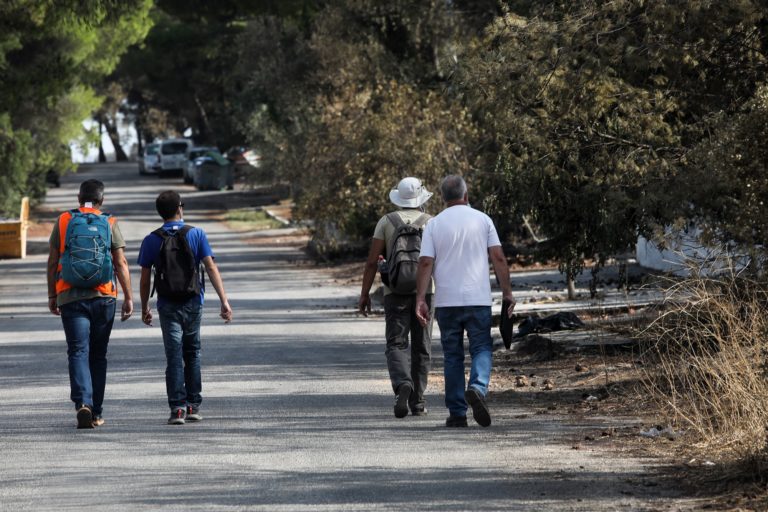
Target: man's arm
[
  {"x": 144, "y": 283},
  {"x": 218, "y": 285},
  {"x": 53, "y": 264},
  {"x": 423, "y": 276},
  {"x": 369, "y": 274},
  {"x": 501, "y": 268},
  {"x": 124, "y": 278}
]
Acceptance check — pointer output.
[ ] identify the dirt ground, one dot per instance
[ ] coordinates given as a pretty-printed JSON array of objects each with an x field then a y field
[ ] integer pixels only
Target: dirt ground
[{"x": 593, "y": 378}]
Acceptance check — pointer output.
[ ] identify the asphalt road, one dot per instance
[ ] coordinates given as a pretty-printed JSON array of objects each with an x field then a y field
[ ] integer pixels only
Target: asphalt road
[{"x": 297, "y": 404}]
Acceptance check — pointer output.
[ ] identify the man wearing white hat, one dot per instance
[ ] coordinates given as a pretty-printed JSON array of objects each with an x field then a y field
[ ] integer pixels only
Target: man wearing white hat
[{"x": 408, "y": 363}]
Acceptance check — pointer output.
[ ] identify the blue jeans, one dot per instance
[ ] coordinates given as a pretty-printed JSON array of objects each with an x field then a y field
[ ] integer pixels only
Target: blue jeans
[
  {"x": 180, "y": 323},
  {"x": 453, "y": 321},
  {"x": 87, "y": 326}
]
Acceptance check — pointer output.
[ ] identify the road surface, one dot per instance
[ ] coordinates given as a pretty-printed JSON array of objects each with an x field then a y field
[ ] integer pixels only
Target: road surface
[{"x": 297, "y": 404}]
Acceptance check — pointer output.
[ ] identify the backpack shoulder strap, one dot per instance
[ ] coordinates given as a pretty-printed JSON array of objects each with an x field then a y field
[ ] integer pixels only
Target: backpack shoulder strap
[
  {"x": 423, "y": 218},
  {"x": 395, "y": 219},
  {"x": 161, "y": 233},
  {"x": 186, "y": 228}
]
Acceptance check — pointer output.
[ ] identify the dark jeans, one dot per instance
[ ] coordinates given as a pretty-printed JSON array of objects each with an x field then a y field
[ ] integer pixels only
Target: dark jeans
[
  {"x": 180, "y": 323},
  {"x": 87, "y": 326},
  {"x": 453, "y": 321},
  {"x": 407, "y": 363}
]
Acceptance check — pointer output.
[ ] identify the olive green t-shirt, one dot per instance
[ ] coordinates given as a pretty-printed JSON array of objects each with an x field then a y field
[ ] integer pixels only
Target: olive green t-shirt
[
  {"x": 75, "y": 294},
  {"x": 385, "y": 230}
]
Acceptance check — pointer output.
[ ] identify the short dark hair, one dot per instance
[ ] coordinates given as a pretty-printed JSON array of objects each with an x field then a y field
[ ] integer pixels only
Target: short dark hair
[
  {"x": 91, "y": 191},
  {"x": 167, "y": 204},
  {"x": 453, "y": 187}
]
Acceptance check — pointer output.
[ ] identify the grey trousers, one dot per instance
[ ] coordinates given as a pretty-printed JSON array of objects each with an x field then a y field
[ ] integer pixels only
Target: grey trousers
[{"x": 408, "y": 361}]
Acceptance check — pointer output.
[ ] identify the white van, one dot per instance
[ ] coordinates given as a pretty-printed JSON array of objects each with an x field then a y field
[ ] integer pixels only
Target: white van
[{"x": 172, "y": 154}]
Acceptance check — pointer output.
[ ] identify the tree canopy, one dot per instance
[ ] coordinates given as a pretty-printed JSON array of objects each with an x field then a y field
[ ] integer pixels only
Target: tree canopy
[
  {"x": 52, "y": 55},
  {"x": 591, "y": 122}
]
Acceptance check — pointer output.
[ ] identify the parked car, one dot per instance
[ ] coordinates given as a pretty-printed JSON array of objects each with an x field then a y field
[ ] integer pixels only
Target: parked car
[
  {"x": 192, "y": 154},
  {"x": 148, "y": 158},
  {"x": 241, "y": 155},
  {"x": 172, "y": 154}
]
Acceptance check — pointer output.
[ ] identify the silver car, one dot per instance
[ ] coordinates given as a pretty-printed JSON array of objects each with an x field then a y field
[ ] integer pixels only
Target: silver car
[{"x": 148, "y": 159}]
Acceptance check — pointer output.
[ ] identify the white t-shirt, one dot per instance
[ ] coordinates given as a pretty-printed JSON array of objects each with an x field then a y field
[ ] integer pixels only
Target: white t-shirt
[{"x": 458, "y": 239}]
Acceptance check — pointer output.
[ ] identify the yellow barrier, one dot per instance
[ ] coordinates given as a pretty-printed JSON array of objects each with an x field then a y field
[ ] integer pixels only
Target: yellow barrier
[{"x": 13, "y": 234}]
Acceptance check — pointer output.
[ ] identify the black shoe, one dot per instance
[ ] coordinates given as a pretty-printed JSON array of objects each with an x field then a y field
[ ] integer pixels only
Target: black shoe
[
  {"x": 84, "y": 417},
  {"x": 479, "y": 409},
  {"x": 456, "y": 421},
  {"x": 177, "y": 416},
  {"x": 419, "y": 412},
  {"x": 401, "y": 403},
  {"x": 193, "y": 413}
]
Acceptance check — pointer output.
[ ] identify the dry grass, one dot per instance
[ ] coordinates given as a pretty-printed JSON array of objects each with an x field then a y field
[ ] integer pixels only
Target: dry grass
[{"x": 705, "y": 361}]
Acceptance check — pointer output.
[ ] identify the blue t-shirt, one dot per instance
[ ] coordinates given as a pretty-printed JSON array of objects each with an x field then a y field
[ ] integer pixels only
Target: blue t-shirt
[{"x": 198, "y": 242}]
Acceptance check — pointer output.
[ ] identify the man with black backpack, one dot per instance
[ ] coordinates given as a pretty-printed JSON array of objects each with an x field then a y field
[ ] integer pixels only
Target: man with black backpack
[
  {"x": 85, "y": 259},
  {"x": 395, "y": 251},
  {"x": 178, "y": 253}
]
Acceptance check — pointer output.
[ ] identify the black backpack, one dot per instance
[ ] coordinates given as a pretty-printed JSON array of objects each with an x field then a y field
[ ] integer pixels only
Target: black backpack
[
  {"x": 404, "y": 252},
  {"x": 177, "y": 275}
]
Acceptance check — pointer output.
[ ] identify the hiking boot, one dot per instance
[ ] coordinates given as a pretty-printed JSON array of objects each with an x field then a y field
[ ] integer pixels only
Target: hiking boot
[
  {"x": 193, "y": 413},
  {"x": 479, "y": 409},
  {"x": 177, "y": 416},
  {"x": 97, "y": 421},
  {"x": 401, "y": 403},
  {"x": 84, "y": 416},
  {"x": 456, "y": 421},
  {"x": 419, "y": 412}
]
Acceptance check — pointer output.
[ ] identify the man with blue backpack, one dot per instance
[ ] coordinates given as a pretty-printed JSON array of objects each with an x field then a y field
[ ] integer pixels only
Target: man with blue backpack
[
  {"x": 85, "y": 260},
  {"x": 178, "y": 252}
]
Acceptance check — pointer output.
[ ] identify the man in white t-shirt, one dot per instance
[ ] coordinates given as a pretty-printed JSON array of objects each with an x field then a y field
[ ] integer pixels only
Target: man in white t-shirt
[
  {"x": 455, "y": 250},
  {"x": 408, "y": 363}
]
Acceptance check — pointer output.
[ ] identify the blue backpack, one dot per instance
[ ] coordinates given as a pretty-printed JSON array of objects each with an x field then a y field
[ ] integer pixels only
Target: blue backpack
[{"x": 87, "y": 258}]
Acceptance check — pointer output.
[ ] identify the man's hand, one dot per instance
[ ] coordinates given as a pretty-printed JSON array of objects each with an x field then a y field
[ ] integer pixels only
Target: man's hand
[
  {"x": 52, "y": 307},
  {"x": 226, "y": 312},
  {"x": 146, "y": 316},
  {"x": 508, "y": 297},
  {"x": 364, "y": 305},
  {"x": 422, "y": 312},
  {"x": 126, "y": 311}
]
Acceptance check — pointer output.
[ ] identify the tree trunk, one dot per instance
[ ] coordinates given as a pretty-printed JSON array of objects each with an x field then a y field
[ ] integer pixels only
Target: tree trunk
[
  {"x": 570, "y": 280},
  {"x": 114, "y": 136},
  {"x": 102, "y": 155},
  {"x": 206, "y": 123},
  {"x": 139, "y": 137}
]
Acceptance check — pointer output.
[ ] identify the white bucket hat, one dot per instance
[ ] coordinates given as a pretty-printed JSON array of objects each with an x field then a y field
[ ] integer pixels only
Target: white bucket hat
[{"x": 410, "y": 193}]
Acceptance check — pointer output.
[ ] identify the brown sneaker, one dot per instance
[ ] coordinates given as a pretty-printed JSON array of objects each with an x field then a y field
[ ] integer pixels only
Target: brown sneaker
[
  {"x": 97, "y": 421},
  {"x": 84, "y": 417}
]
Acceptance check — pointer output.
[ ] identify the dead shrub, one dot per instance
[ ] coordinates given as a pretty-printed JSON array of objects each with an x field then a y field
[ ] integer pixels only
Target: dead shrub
[{"x": 705, "y": 361}]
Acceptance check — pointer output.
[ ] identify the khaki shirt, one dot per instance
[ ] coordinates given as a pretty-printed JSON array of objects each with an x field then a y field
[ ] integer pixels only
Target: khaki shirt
[
  {"x": 75, "y": 294},
  {"x": 385, "y": 230}
]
